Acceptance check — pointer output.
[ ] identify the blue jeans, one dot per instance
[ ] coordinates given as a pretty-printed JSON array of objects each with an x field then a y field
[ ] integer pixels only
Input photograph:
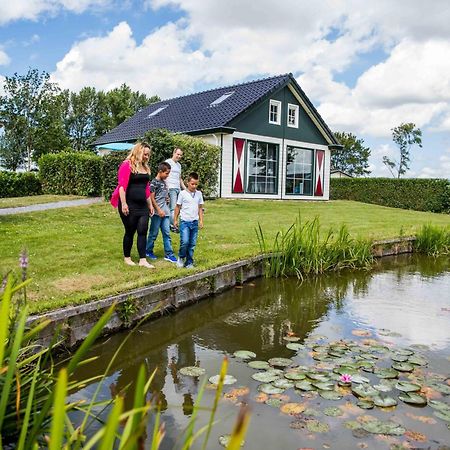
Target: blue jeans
[
  {"x": 188, "y": 239},
  {"x": 156, "y": 224},
  {"x": 173, "y": 195}
]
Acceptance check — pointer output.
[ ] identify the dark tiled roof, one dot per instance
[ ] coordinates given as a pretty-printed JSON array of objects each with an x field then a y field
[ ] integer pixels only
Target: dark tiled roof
[{"x": 193, "y": 113}]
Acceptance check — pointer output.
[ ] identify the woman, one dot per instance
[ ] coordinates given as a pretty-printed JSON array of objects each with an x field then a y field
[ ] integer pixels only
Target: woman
[{"x": 132, "y": 198}]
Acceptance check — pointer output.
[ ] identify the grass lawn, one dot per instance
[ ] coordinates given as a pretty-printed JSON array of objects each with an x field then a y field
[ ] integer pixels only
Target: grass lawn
[
  {"x": 75, "y": 253},
  {"x": 14, "y": 202}
]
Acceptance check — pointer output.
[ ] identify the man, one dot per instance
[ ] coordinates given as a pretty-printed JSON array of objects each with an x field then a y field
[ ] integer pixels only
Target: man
[{"x": 174, "y": 183}]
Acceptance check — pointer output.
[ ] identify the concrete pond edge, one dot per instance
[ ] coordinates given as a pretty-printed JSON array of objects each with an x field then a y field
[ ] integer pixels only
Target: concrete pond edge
[{"x": 74, "y": 323}]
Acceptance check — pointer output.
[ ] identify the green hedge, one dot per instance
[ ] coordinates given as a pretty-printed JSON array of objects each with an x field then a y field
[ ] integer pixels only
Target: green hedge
[
  {"x": 71, "y": 173},
  {"x": 13, "y": 184},
  {"x": 427, "y": 194},
  {"x": 110, "y": 165}
]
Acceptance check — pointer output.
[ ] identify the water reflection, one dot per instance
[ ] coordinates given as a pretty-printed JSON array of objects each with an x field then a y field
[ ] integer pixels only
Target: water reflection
[{"x": 408, "y": 295}]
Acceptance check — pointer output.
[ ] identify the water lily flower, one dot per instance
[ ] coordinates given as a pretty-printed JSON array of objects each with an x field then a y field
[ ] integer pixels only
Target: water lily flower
[{"x": 346, "y": 378}]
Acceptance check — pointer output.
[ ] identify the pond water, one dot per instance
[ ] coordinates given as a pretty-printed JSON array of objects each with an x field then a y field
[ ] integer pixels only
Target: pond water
[{"x": 402, "y": 306}]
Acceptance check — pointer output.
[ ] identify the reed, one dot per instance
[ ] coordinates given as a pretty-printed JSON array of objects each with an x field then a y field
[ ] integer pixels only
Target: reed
[
  {"x": 35, "y": 411},
  {"x": 433, "y": 240},
  {"x": 304, "y": 250}
]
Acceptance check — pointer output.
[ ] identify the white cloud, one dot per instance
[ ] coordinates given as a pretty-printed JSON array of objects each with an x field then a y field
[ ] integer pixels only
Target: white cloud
[
  {"x": 441, "y": 171},
  {"x": 33, "y": 9},
  {"x": 4, "y": 58}
]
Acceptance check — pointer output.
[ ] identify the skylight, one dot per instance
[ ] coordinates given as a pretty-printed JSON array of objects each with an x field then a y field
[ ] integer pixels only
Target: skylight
[
  {"x": 157, "y": 111},
  {"x": 221, "y": 98}
]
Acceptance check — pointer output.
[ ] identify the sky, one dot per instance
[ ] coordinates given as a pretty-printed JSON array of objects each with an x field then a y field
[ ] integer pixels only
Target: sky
[{"x": 366, "y": 66}]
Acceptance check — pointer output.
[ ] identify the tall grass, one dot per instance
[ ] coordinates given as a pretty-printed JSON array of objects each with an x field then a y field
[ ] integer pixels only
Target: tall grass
[
  {"x": 303, "y": 250},
  {"x": 35, "y": 411},
  {"x": 433, "y": 240}
]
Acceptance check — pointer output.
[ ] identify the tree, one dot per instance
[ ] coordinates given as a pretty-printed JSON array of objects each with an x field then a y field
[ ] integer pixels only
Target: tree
[
  {"x": 12, "y": 152},
  {"x": 353, "y": 157},
  {"x": 405, "y": 136},
  {"x": 22, "y": 110}
]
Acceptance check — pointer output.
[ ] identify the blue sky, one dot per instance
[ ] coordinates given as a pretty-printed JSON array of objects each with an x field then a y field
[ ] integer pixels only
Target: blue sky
[{"x": 367, "y": 67}]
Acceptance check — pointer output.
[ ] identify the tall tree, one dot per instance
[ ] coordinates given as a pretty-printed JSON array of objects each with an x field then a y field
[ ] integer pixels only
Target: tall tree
[
  {"x": 353, "y": 158},
  {"x": 405, "y": 136},
  {"x": 22, "y": 109},
  {"x": 117, "y": 105},
  {"x": 81, "y": 110}
]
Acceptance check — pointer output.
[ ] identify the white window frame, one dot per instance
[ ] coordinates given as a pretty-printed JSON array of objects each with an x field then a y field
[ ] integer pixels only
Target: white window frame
[
  {"x": 276, "y": 103},
  {"x": 294, "y": 108}
]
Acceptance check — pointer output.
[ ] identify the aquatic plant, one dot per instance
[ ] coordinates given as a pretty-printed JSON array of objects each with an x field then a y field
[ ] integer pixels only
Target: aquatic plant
[
  {"x": 433, "y": 240},
  {"x": 303, "y": 249},
  {"x": 35, "y": 410}
]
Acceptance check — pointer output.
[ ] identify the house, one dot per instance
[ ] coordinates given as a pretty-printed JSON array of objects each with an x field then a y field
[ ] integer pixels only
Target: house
[
  {"x": 336, "y": 173},
  {"x": 274, "y": 143},
  {"x": 105, "y": 149}
]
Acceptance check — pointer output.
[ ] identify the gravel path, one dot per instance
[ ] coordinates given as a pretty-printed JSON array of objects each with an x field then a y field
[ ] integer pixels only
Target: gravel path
[{"x": 51, "y": 205}]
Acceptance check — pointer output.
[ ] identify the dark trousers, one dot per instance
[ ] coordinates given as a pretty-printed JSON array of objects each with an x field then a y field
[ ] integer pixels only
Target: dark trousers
[{"x": 135, "y": 222}]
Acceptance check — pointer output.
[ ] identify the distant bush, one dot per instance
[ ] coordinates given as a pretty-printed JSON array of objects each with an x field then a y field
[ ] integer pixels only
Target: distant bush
[
  {"x": 13, "y": 184},
  {"x": 110, "y": 165},
  {"x": 420, "y": 194},
  {"x": 71, "y": 173},
  {"x": 198, "y": 156}
]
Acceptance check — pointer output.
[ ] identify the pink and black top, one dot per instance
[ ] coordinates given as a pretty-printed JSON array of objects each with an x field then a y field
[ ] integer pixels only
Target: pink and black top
[{"x": 136, "y": 187}]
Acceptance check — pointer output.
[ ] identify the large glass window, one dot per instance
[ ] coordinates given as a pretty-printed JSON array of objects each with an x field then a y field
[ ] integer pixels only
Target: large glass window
[
  {"x": 262, "y": 168},
  {"x": 299, "y": 171}
]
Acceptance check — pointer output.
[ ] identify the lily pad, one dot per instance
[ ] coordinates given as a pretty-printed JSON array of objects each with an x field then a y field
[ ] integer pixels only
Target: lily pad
[
  {"x": 384, "y": 401},
  {"x": 364, "y": 390},
  {"x": 268, "y": 388},
  {"x": 444, "y": 415},
  {"x": 385, "y": 373},
  {"x": 192, "y": 371},
  {"x": 275, "y": 402},
  {"x": 280, "y": 362},
  {"x": 405, "y": 351},
  {"x": 304, "y": 386},
  {"x": 333, "y": 411},
  {"x": 440, "y": 406},
  {"x": 291, "y": 338},
  {"x": 323, "y": 385},
  {"x": 412, "y": 398},
  {"x": 403, "y": 367},
  {"x": 399, "y": 358},
  {"x": 229, "y": 379},
  {"x": 310, "y": 412},
  {"x": 379, "y": 427},
  {"x": 383, "y": 387},
  {"x": 365, "y": 404},
  {"x": 259, "y": 365},
  {"x": 417, "y": 360},
  {"x": 265, "y": 377},
  {"x": 244, "y": 354},
  {"x": 359, "y": 379},
  {"x": 294, "y": 376},
  {"x": 317, "y": 376},
  {"x": 352, "y": 425},
  {"x": 404, "y": 386},
  {"x": 292, "y": 408},
  {"x": 294, "y": 346},
  {"x": 440, "y": 387},
  {"x": 283, "y": 384},
  {"x": 330, "y": 395},
  {"x": 315, "y": 426}
]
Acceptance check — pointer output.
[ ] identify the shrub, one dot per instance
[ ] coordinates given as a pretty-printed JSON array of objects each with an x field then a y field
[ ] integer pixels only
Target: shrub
[
  {"x": 198, "y": 156},
  {"x": 14, "y": 184},
  {"x": 76, "y": 173},
  {"x": 110, "y": 165},
  {"x": 408, "y": 193},
  {"x": 433, "y": 240}
]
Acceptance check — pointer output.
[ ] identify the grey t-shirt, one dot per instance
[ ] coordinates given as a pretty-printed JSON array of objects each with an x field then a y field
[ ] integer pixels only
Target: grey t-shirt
[{"x": 161, "y": 191}]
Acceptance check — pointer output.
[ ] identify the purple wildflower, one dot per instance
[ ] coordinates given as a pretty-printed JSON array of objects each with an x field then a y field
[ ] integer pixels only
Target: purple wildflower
[
  {"x": 346, "y": 378},
  {"x": 23, "y": 259}
]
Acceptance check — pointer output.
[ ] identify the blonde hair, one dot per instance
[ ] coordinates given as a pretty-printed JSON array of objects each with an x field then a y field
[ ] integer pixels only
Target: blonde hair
[{"x": 136, "y": 157}]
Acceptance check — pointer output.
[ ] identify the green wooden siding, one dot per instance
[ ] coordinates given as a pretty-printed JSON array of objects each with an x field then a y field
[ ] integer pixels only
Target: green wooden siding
[{"x": 256, "y": 121}]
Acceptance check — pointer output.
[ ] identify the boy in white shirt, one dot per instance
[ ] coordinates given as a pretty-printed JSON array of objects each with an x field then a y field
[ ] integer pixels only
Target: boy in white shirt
[{"x": 190, "y": 209}]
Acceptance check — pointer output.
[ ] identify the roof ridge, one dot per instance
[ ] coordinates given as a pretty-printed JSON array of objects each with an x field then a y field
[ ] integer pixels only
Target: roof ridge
[{"x": 285, "y": 75}]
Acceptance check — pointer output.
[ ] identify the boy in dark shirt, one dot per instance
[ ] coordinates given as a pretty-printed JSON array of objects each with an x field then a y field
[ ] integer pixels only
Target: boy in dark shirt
[{"x": 161, "y": 218}]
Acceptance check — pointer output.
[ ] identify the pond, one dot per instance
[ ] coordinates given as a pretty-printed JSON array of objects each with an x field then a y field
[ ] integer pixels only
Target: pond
[{"x": 356, "y": 323}]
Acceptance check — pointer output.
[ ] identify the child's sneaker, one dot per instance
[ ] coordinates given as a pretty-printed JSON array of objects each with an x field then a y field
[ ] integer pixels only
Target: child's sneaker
[
  {"x": 171, "y": 258},
  {"x": 180, "y": 262},
  {"x": 189, "y": 266},
  {"x": 151, "y": 255}
]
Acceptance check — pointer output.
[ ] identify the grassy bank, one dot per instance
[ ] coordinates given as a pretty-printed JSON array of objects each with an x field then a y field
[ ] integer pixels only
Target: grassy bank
[
  {"x": 75, "y": 253},
  {"x": 15, "y": 202}
]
